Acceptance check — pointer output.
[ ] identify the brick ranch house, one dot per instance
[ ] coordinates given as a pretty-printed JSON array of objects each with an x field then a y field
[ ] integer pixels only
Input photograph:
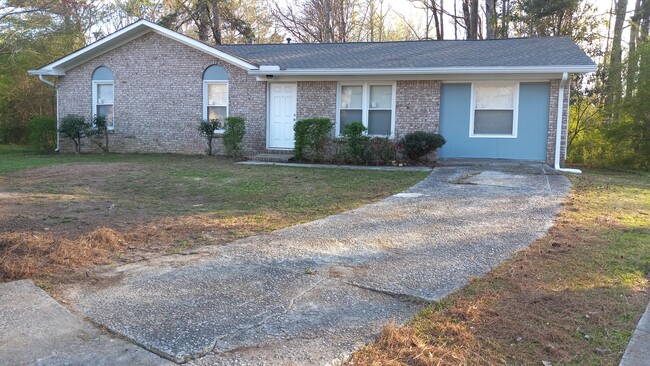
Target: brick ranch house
[{"x": 489, "y": 99}]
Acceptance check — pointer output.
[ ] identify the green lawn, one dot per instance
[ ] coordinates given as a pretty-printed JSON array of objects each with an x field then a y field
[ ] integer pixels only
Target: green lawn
[{"x": 160, "y": 203}]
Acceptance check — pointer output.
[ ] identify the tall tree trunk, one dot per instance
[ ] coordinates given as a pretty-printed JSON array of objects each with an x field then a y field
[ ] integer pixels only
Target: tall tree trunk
[
  {"x": 470, "y": 15},
  {"x": 455, "y": 21},
  {"x": 216, "y": 21},
  {"x": 441, "y": 10},
  {"x": 614, "y": 79},
  {"x": 489, "y": 19},
  {"x": 202, "y": 20},
  {"x": 473, "y": 13},
  {"x": 329, "y": 37},
  {"x": 632, "y": 57},
  {"x": 505, "y": 14},
  {"x": 436, "y": 19}
]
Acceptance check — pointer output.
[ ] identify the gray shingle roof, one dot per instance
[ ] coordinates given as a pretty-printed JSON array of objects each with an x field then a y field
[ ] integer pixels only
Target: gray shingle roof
[{"x": 542, "y": 51}]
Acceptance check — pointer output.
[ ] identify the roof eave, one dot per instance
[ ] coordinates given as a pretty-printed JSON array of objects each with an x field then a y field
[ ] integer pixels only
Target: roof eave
[
  {"x": 263, "y": 71},
  {"x": 125, "y": 35}
]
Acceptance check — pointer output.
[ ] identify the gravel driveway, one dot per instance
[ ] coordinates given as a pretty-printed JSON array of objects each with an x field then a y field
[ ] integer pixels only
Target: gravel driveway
[{"x": 312, "y": 293}]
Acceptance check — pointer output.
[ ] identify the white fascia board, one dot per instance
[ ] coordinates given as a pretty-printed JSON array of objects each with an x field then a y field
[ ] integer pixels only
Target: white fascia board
[
  {"x": 46, "y": 72},
  {"x": 125, "y": 35},
  {"x": 432, "y": 70}
]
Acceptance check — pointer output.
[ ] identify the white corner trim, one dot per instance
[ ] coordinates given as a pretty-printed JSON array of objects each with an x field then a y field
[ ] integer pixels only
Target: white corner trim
[
  {"x": 125, "y": 35},
  {"x": 558, "y": 127}
]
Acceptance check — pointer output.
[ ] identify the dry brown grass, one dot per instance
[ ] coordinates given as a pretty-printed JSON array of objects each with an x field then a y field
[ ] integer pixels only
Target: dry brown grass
[
  {"x": 26, "y": 255},
  {"x": 572, "y": 298}
]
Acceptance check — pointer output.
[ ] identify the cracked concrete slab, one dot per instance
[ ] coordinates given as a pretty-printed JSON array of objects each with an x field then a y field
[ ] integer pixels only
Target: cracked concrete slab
[
  {"x": 312, "y": 293},
  {"x": 36, "y": 330}
]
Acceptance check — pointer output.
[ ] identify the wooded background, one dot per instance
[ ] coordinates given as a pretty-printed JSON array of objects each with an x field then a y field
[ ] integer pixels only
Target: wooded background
[{"x": 610, "y": 109}]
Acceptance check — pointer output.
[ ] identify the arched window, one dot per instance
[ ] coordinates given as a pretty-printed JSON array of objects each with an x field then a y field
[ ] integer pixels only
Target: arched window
[
  {"x": 215, "y": 93},
  {"x": 104, "y": 95}
]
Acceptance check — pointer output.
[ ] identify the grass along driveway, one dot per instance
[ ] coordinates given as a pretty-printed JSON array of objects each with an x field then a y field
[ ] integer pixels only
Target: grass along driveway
[
  {"x": 64, "y": 213},
  {"x": 572, "y": 298}
]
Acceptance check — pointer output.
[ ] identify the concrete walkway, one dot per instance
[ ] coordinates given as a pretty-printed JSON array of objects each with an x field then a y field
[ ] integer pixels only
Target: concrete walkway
[
  {"x": 312, "y": 293},
  {"x": 638, "y": 351},
  {"x": 36, "y": 330}
]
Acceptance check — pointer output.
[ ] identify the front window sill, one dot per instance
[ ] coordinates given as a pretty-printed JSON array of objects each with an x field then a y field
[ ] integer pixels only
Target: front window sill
[
  {"x": 342, "y": 138},
  {"x": 493, "y": 136}
]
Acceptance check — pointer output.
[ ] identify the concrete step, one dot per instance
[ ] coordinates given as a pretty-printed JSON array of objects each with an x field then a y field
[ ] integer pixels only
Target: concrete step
[{"x": 271, "y": 158}]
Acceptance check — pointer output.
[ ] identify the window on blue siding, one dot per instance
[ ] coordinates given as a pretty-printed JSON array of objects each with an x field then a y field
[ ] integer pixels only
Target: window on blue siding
[
  {"x": 215, "y": 93},
  {"x": 494, "y": 110},
  {"x": 104, "y": 95}
]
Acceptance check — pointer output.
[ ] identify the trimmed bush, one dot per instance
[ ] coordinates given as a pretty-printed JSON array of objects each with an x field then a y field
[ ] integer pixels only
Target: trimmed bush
[
  {"x": 208, "y": 129},
  {"x": 98, "y": 132},
  {"x": 311, "y": 136},
  {"x": 357, "y": 149},
  {"x": 233, "y": 136},
  {"x": 384, "y": 150},
  {"x": 418, "y": 144},
  {"x": 42, "y": 134},
  {"x": 74, "y": 127}
]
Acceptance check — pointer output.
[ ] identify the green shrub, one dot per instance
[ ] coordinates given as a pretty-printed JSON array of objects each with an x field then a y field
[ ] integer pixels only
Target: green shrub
[
  {"x": 234, "y": 136},
  {"x": 311, "y": 136},
  {"x": 13, "y": 130},
  {"x": 383, "y": 149},
  {"x": 418, "y": 144},
  {"x": 98, "y": 132},
  {"x": 208, "y": 129},
  {"x": 74, "y": 127},
  {"x": 357, "y": 149},
  {"x": 42, "y": 134}
]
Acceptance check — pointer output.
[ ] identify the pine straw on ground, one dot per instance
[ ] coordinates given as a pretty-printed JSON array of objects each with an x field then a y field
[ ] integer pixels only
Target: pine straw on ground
[
  {"x": 55, "y": 255},
  {"x": 27, "y": 255},
  {"x": 574, "y": 297}
]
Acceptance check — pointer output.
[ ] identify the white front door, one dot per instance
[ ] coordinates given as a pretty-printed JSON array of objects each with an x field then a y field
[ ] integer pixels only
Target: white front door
[{"x": 282, "y": 115}]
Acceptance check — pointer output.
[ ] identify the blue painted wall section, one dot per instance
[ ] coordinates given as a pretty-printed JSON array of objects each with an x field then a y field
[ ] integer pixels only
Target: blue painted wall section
[{"x": 530, "y": 144}]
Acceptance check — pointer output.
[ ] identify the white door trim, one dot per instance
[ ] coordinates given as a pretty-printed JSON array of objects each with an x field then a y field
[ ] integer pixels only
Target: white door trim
[{"x": 268, "y": 114}]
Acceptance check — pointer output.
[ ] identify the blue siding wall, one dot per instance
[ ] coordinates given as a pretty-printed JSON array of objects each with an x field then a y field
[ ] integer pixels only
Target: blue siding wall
[{"x": 530, "y": 144}]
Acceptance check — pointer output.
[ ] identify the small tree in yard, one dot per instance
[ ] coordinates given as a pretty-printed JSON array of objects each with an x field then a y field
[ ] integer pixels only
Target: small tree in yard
[
  {"x": 74, "y": 127},
  {"x": 311, "y": 136},
  {"x": 208, "y": 129},
  {"x": 357, "y": 143},
  {"x": 233, "y": 136},
  {"x": 98, "y": 132}
]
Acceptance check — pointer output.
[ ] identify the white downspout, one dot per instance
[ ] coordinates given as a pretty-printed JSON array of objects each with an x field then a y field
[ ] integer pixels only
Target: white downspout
[
  {"x": 43, "y": 79},
  {"x": 558, "y": 130},
  {"x": 56, "y": 88}
]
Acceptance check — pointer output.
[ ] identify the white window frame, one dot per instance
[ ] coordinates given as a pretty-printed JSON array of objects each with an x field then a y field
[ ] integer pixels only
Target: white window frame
[
  {"x": 365, "y": 104},
  {"x": 515, "y": 110},
  {"x": 96, "y": 84},
  {"x": 205, "y": 100}
]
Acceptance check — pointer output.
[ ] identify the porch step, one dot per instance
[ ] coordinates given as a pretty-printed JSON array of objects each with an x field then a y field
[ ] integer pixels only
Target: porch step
[{"x": 271, "y": 158}]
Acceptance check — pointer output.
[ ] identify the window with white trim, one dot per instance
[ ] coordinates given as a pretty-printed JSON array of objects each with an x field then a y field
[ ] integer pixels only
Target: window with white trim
[
  {"x": 494, "y": 111},
  {"x": 103, "y": 94},
  {"x": 372, "y": 104},
  {"x": 215, "y": 94}
]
